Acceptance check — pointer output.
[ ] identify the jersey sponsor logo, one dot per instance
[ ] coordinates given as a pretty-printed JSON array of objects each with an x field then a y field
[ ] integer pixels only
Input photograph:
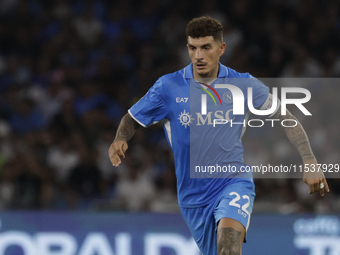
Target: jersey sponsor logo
[
  {"x": 210, "y": 117},
  {"x": 185, "y": 118},
  {"x": 182, "y": 99}
]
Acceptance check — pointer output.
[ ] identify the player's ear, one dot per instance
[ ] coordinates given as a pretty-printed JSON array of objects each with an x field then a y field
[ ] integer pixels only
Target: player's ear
[
  {"x": 188, "y": 42},
  {"x": 222, "y": 48}
]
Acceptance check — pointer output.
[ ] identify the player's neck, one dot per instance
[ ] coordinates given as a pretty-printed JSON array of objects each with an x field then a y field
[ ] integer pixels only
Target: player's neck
[{"x": 207, "y": 78}]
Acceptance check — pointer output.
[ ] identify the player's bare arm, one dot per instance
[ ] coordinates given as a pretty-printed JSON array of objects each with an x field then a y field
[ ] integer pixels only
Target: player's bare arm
[
  {"x": 126, "y": 129},
  {"x": 299, "y": 139}
]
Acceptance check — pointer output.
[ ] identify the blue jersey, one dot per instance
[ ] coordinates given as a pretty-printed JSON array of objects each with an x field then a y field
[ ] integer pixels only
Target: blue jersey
[{"x": 171, "y": 101}]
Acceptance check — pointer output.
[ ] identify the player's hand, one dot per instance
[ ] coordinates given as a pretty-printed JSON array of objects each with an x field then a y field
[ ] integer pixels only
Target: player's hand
[
  {"x": 314, "y": 177},
  {"x": 117, "y": 151}
]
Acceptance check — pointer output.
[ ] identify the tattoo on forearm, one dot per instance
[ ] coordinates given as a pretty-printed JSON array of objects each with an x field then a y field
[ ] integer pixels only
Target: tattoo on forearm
[
  {"x": 296, "y": 135},
  {"x": 126, "y": 129},
  {"x": 228, "y": 241}
]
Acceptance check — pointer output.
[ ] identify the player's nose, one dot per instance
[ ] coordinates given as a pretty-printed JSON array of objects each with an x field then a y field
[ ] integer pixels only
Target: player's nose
[{"x": 198, "y": 54}]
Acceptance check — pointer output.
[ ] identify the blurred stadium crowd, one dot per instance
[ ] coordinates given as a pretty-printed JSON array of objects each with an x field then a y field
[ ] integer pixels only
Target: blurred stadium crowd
[{"x": 69, "y": 70}]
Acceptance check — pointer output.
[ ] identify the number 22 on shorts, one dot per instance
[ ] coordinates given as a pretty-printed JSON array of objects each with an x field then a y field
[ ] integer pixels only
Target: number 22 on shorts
[{"x": 237, "y": 198}]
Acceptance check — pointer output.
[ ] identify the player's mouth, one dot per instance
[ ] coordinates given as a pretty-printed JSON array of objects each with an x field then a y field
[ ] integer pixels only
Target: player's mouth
[{"x": 201, "y": 66}]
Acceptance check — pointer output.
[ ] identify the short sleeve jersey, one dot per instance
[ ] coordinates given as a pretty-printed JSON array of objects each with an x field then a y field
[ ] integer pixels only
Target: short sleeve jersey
[{"x": 168, "y": 100}]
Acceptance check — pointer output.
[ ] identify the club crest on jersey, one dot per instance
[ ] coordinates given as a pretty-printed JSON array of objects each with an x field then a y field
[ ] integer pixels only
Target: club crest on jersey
[
  {"x": 185, "y": 118},
  {"x": 227, "y": 97}
]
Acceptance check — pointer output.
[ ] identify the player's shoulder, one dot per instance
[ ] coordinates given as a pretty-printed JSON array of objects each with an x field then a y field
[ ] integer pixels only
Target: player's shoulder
[
  {"x": 166, "y": 83},
  {"x": 172, "y": 77},
  {"x": 235, "y": 74},
  {"x": 171, "y": 80}
]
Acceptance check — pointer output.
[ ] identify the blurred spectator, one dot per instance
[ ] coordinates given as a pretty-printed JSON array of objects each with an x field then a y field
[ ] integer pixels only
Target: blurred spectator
[
  {"x": 166, "y": 198},
  {"x": 28, "y": 182},
  {"x": 302, "y": 65},
  {"x": 62, "y": 158},
  {"x": 136, "y": 191},
  {"x": 61, "y": 9},
  {"x": 85, "y": 181},
  {"x": 26, "y": 118},
  {"x": 88, "y": 27}
]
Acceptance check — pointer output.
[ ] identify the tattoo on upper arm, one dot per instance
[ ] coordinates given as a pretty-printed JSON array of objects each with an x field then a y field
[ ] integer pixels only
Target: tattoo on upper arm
[
  {"x": 228, "y": 241},
  {"x": 127, "y": 128}
]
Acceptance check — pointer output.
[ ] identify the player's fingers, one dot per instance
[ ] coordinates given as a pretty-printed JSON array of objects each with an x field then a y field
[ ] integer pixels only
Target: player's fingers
[
  {"x": 322, "y": 188},
  {"x": 326, "y": 185},
  {"x": 122, "y": 149},
  {"x": 120, "y": 152},
  {"x": 115, "y": 160},
  {"x": 311, "y": 188},
  {"x": 113, "y": 155}
]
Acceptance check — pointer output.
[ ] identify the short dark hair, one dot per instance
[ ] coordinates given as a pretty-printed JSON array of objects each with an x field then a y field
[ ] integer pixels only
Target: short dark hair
[{"x": 205, "y": 26}]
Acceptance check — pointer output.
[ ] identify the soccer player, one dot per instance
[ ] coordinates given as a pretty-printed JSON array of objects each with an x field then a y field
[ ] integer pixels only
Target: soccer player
[{"x": 217, "y": 210}]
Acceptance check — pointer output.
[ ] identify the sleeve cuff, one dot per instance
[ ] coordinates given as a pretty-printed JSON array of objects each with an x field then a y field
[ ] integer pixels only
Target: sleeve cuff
[{"x": 140, "y": 123}]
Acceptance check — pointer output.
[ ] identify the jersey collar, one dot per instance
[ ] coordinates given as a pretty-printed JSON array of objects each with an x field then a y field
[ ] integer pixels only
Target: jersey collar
[{"x": 222, "y": 71}]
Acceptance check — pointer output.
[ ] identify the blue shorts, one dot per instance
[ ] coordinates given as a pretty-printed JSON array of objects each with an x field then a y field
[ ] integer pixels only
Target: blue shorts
[{"x": 235, "y": 201}]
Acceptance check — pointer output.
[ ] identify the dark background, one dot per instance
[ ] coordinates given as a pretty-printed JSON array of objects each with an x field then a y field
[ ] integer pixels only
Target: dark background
[{"x": 69, "y": 70}]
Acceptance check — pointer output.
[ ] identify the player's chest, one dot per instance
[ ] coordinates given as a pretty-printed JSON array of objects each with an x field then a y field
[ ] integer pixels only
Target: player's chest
[{"x": 196, "y": 105}]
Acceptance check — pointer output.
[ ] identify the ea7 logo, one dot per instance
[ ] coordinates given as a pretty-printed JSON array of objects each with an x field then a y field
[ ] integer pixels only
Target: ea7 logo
[{"x": 182, "y": 99}]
